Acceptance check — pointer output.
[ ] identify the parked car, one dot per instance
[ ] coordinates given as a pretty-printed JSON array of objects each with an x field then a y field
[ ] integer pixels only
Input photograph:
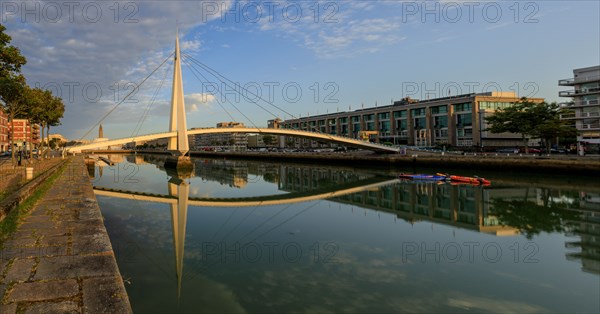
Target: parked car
[
  {"x": 508, "y": 150},
  {"x": 556, "y": 151},
  {"x": 4, "y": 154},
  {"x": 531, "y": 150}
]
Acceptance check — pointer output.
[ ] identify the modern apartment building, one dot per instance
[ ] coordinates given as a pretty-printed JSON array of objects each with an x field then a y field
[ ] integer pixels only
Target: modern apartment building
[
  {"x": 24, "y": 132},
  {"x": 585, "y": 103},
  {"x": 453, "y": 121},
  {"x": 4, "y": 139},
  {"x": 237, "y": 141}
]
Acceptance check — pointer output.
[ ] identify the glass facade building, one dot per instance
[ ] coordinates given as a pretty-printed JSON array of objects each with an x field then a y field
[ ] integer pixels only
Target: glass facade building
[{"x": 451, "y": 121}]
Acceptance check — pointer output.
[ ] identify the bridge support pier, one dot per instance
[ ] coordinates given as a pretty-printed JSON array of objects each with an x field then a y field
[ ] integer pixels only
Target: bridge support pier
[{"x": 180, "y": 163}]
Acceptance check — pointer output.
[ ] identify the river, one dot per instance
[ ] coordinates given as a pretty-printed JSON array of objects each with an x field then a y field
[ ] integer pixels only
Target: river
[{"x": 248, "y": 236}]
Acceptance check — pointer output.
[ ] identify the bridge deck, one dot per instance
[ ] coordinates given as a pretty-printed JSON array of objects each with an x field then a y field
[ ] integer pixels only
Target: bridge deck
[{"x": 281, "y": 132}]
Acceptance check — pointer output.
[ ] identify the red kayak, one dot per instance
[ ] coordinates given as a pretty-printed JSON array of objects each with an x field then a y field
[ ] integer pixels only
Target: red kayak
[{"x": 471, "y": 180}]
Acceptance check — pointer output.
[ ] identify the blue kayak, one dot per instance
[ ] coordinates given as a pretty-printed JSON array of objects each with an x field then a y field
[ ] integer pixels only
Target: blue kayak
[{"x": 428, "y": 177}]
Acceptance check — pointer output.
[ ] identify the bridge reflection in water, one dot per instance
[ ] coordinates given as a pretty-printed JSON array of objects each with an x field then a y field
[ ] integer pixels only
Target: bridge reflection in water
[{"x": 489, "y": 210}]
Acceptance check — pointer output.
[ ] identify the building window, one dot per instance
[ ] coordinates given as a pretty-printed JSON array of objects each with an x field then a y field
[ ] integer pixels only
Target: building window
[
  {"x": 493, "y": 105},
  {"x": 463, "y": 107},
  {"x": 440, "y": 122},
  {"x": 384, "y": 126},
  {"x": 400, "y": 114},
  {"x": 464, "y": 132},
  {"x": 439, "y": 109},
  {"x": 419, "y": 123},
  {"x": 384, "y": 116},
  {"x": 464, "y": 120},
  {"x": 344, "y": 120},
  {"x": 356, "y": 119},
  {"x": 417, "y": 112},
  {"x": 369, "y": 117},
  {"x": 401, "y": 125}
]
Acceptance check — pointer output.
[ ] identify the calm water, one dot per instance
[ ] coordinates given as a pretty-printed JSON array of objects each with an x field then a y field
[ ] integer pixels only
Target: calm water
[{"x": 243, "y": 236}]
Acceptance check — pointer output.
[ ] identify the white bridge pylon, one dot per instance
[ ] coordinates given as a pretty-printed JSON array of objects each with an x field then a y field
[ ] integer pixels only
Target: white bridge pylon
[{"x": 178, "y": 145}]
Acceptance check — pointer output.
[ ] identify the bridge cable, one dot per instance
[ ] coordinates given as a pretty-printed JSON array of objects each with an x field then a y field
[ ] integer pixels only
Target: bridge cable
[
  {"x": 142, "y": 119},
  {"x": 213, "y": 71},
  {"x": 222, "y": 96},
  {"x": 194, "y": 71},
  {"x": 125, "y": 98},
  {"x": 221, "y": 77},
  {"x": 240, "y": 223},
  {"x": 224, "y": 223},
  {"x": 285, "y": 221},
  {"x": 206, "y": 267},
  {"x": 263, "y": 223}
]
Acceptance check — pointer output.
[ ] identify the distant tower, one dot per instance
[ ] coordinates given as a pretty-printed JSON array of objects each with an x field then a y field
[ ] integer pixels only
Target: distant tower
[{"x": 100, "y": 132}]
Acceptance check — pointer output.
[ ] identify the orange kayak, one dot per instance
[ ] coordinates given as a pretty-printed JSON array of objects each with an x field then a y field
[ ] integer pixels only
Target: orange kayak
[{"x": 471, "y": 180}]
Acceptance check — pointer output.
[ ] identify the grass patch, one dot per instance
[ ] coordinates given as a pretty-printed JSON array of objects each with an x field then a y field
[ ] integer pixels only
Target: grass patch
[{"x": 13, "y": 219}]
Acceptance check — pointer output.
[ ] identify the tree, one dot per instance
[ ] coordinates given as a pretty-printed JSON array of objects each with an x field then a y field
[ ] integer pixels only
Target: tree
[
  {"x": 268, "y": 139},
  {"x": 56, "y": 110},
  {"x": 533, "y": 218},
  {"x": 11, "y": 82},
  {"x": 552, "y": 127},
  {"x": 35, "y": 99},
  {"x": 517, "y": 118},
  {"x": 11, "y": 59},
  {"x": 531, "y": 119},
  {"x": 53, "y": 143},
  {"x": 12, "y": 95},
  {"x": 44, "y": 109}
]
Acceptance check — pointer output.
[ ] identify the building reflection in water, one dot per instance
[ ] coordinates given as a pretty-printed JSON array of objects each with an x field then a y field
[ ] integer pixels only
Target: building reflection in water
[
  {"x": 500, "y": 210},
  {"x": 586, "y": 227}
]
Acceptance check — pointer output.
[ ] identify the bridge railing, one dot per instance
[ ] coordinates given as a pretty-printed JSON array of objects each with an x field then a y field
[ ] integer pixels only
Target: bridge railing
[{"x": 278, "y": 131}]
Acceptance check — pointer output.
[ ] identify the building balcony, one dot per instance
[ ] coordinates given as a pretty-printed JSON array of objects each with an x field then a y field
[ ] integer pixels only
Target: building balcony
[
  {"x": 578, "y": 80},
  {"x": 574, "y": 93},
  {"x": 580, "y": 115},
  {"x": 581, "y": 103},
  {"x": 590, "y": 127}
]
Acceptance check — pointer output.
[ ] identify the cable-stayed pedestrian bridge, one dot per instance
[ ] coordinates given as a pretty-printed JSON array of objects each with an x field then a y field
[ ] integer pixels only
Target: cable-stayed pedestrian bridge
[
  {"x": 178, "y": 133},
  {"x": 320, "y": 137}
]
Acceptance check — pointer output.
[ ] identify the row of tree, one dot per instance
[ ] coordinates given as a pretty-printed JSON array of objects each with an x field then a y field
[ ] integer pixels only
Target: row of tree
[
  {"x": 532, "y": 120},
  {"x": 20, "y": 101}
]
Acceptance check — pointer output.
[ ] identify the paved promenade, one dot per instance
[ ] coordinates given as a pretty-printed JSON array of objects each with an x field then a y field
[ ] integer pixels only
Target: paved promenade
[{"x": 60, "y": 259}]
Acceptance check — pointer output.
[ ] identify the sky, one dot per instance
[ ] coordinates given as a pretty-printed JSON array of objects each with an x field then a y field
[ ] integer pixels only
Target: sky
[{"x": 289, "y": 58}]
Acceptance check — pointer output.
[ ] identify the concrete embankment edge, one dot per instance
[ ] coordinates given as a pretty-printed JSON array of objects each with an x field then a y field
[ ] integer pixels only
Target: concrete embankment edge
[
  {"x": 571, "y": 165},
  {"x": 575, "y": 166},
  {"x": 14, "y": 199},
  {"x": 60, "y": 258}
]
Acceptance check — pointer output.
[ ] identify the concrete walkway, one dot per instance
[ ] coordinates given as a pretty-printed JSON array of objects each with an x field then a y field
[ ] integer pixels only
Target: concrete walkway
[{"x": 60, "y": 259}]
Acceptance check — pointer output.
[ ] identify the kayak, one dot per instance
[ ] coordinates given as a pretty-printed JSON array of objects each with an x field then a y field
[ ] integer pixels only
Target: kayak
[
  {"x": 422, "y": 177},
  {"x": 471, "y": 180}
]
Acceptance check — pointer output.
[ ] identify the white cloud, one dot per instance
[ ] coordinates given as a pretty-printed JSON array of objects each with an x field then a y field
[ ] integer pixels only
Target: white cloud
[
  {"x": 191, "y": 46},
  {"x": 84, "y": 50},
  {"x": 198, "y": 101},
  {"x": 345, "y": 29}
]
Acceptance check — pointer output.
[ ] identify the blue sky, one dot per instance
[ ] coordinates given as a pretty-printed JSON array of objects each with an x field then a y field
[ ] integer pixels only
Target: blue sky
[{"x": 353, "y": 53}]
